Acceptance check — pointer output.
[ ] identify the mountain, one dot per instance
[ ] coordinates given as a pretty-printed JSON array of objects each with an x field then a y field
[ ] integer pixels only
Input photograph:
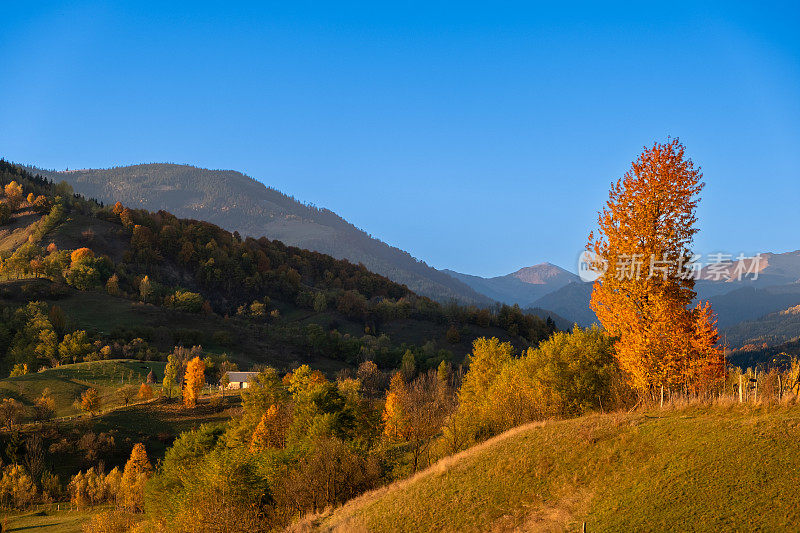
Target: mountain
[
  {"x": 522, "y": 287},
  {"x": 749, "y": 303},
  {"x": 571, "y": 301},
  {"x": 775, "y": 288},
  {"x": 770, "y": 330},
  {"x": 122, "y": 275},
  {"x": 239, "y": 203}
]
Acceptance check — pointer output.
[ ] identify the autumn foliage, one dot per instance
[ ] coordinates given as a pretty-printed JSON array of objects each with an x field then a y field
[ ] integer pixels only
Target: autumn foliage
[
  {"x": 137, "y": 470},
  {"x": 643, "y": 299},
  {"x": 270, "y": 431},
  {"x": 194, "y": 381},
  {"x": 90, "y": 401}
]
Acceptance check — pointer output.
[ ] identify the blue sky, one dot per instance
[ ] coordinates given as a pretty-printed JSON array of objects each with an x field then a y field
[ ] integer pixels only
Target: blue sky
[{"x": 479, "y": 137}]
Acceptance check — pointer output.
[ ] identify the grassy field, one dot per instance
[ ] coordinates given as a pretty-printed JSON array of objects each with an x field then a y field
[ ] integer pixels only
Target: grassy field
[
  {"x": 68, "y": 382},
  {"x": 47, "y": 521},
  {"x": 698, "y": 468},
  {"x": 155, "y": 423}
]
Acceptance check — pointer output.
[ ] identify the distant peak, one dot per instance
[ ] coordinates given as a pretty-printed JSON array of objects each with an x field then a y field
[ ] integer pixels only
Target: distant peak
[{"x": 543, "y": 273}]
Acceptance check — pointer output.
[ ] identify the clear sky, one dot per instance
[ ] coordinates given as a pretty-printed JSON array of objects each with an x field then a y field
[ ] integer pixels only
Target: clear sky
[{"x": 478, "y": 137}]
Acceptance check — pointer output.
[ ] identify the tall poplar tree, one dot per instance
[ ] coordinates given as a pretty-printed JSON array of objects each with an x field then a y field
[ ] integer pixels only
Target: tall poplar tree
[
  {"x": 195, "y": 379},
  {"x": 644, "y": 296}
]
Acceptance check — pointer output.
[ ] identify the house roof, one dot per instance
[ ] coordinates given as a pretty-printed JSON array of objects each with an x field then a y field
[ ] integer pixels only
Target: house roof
[{"x": 241, "y": 377}]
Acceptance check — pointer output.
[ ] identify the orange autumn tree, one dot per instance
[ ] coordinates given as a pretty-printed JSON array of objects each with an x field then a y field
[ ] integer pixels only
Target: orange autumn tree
[
  {"x": 644, "y": 296},
  {"x": 271, "y": 430},
  {"x": 395, "y": 419},
  {"x": 137, "y": 471},
  {"x": 194, "y": 381}
]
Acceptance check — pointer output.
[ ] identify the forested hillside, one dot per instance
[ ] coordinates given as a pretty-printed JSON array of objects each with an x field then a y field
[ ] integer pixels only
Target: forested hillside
[
  {"x": 56, "y": 245},
  {"x": 109, "y": 313},
  {"x": 239, "y": 203}
]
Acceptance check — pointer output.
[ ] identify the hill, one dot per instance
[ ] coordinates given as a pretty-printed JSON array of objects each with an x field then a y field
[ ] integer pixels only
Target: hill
[
  {"x": 68, "y": 382},
  {"x": 572, "y": 301},
  {"x": 522, "y": 287},
  {"x": 133, "y": 281},
  {"x": 771, "y": 329},
  {"x": 701, "y": 468},
  {"x": 239, "y": 203},
  {"x": 748, "y": 303}
]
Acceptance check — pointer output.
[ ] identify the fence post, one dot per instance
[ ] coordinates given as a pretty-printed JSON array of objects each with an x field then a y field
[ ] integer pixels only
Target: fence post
[
  {"x": 755, "y": 392},
  {"x": 740, "y": 388}
]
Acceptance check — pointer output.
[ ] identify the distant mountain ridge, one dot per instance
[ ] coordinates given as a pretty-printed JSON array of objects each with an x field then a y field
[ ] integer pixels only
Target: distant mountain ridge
[
  {"x": 240, "y": 203},
  {"x": 523, "y": 287},
  {"x": 772, "y": 329},
  {"x": 776, "y": 288}
]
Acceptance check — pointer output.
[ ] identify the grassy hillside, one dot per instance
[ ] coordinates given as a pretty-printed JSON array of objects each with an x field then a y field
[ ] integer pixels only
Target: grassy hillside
[
  {"x": 240, "y": 203},
  {"x": 700, "y": 468},
  {"x": 67, "y": 382},
  {"x": 48, "y": 521}
]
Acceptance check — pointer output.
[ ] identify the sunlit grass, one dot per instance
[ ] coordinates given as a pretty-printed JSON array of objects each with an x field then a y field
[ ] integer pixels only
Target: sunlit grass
[{"x": 701, "y": 467}]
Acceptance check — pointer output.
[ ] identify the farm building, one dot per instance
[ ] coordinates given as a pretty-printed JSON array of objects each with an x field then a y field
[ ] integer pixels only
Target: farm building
[{"x": 240, "y": 380}]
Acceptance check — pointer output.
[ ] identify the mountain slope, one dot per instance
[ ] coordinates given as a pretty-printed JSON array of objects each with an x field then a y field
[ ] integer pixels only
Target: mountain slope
[
  {"x": 522, "y": 287},
  {"x": 571, "y": 300},
  {"x": 734, "y": 301},
  {"x": 123, "y": 275},
  {"x": 239, "y": 203},
  {"x": 772, "y": 329},
  {"x": 652, "y": 471}
]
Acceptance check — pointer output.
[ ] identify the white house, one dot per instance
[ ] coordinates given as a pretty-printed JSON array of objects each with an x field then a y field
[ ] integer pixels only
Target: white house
[{"x": 240, "y": 380}]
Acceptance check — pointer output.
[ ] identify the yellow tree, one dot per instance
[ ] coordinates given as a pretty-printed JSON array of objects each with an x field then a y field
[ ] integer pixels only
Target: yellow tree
[
  {"x": 137, "y": 471},
  {"x": 80, "y": 254},
  {"x": 270, "y": 431},
  {"x": 194, "y": 381},
  {"x": 643, "y": 247},
  {"x": 13, "y": 192},
  {"x": 90, "y": 401},
  {"x": 395, "y": 419}
]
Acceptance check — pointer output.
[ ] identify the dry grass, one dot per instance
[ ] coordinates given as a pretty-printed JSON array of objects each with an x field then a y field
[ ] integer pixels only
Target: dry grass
[{"x": 703, "y": 466}]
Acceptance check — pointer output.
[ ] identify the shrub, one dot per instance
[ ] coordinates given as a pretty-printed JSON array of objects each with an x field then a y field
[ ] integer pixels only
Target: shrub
[
  {"x": 113, "y": 521},
  {"x": 185, "y": 301},
  {"x": 569, "y": 374}
]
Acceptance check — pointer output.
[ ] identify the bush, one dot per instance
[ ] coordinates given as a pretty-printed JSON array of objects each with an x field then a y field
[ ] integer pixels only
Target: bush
[
  {"x": 184, "y": 301},
  {"x": 110, "y": 522},
  {"x": 568, "y": 375}
]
